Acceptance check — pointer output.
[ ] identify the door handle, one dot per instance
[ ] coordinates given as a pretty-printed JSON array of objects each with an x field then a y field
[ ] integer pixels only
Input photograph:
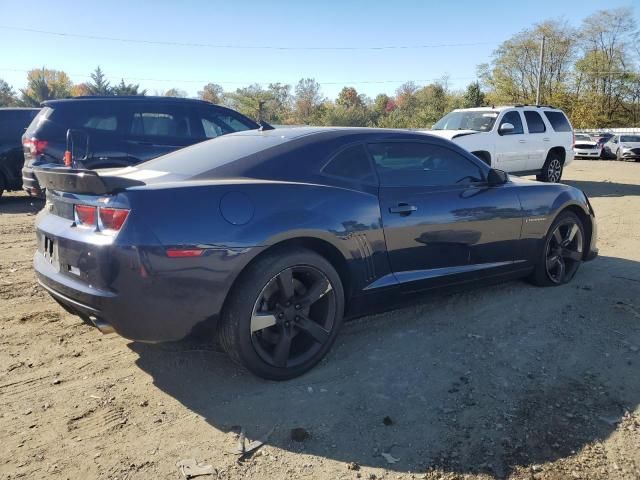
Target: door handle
[
  {"x": 547, "y": 139},
  {"x": 403, "y": 209},
  {"x": 522, "y": 141}
]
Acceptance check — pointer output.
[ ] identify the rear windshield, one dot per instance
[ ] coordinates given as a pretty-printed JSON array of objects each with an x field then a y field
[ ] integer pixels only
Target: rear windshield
[
  {"x": 558, "y": 121},
  {"x": 205, "y": 156},
  {"x": 42, "y": 116},
  {"x": 13, "y": 124}
]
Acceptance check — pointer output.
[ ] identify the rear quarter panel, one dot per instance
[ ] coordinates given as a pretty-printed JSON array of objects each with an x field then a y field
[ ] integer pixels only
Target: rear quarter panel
[{"x": 245, "y": 215}]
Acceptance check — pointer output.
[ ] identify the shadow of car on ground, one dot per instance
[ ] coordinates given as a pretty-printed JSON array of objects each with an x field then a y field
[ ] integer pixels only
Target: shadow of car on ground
[
  {"x": 483, "y": 381},
  {"x": 20, "y": 204}
]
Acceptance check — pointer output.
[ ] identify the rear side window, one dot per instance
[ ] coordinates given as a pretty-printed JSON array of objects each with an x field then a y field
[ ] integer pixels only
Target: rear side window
[
  {"x": 156, "y": 122},
  {"x": 558, "y": 121},
  {"x": 534, "y": 122},
  {"x": 93, "y": 115},
  {"x": 353, "y": 164},
  {"x": 218, "y": 122},
  {"x": 422, "y": 164}
]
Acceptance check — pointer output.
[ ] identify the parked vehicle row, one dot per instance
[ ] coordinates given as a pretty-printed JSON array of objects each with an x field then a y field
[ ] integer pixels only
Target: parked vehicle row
[
  {"x": 276, "y": 236},
  {"x": 586, "y": 147},
  {"x": 623, "y": 147},
  {"x": 519, "y": 139}
]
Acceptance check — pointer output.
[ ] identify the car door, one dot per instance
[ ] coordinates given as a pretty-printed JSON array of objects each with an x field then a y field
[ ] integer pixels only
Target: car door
[
  {"x": 443, "y": 223},
  {"x": 538, "y": 141},
  {"x": 158, "y": 128},
  {"x": 511, "y": 147}
]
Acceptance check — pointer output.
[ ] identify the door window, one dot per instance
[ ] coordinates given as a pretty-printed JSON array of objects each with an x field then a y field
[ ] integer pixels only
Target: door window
[
  {"x": 513, "y": 118},
  {"x": 422, "y": 164},
  {"x": 534, "y": 122},
  {"x": 352, "y": 163}
]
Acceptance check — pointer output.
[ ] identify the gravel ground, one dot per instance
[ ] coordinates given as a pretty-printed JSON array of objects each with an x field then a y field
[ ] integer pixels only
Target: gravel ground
[{"x": 508, "y": 381}]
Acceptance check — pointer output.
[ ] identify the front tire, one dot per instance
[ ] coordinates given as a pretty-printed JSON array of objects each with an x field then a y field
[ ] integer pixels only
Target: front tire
[
  {"x": 562, "y": 253},
  {"x": 283, "y": 314},
  {"x": 618, "y": 155},
  {"x": 552, "y": 169}
]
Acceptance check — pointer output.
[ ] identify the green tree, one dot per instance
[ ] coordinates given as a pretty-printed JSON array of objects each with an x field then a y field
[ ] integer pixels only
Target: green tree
[
  {"x": 349, "y": 98},
  {"x": 44, "y": 84},
  {"x": 176, "y": 92},
  {"x": 132, "y": 89},
  {"x": 473, "y": 96},
  {"x": 308, "y": 101},
  {"x": 99, "y": 85},
  {"x": 7, "y": 95},
  {"x": 211, "y": 92}
]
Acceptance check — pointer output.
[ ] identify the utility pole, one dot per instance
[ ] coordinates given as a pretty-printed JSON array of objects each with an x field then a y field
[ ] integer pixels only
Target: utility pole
[{"x": 540, "y": 71}]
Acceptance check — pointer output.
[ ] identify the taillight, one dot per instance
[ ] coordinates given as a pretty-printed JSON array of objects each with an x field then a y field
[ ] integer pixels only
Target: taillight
[
  {"x": 103, "y": 219},
  {"x": 112, "y": 218},
  {"x": 86, "y": 216},
  {"x": 33, "y": 147}
]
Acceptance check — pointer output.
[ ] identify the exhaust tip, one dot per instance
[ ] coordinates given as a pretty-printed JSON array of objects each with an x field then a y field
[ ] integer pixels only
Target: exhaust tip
[{"x": 101, "y": 325}]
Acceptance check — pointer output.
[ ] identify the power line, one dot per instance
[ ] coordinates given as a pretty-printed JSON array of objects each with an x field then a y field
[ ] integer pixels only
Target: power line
[
  {"x": 245, "y": 82},
  {"x": 238, "y": 47}
]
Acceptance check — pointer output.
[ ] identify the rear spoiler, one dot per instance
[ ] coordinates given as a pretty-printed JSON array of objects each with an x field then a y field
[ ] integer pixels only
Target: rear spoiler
[{"x": 73, "y": 180}]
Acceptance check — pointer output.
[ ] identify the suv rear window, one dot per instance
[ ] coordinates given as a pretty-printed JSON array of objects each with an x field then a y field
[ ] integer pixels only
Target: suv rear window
[
  {"x": 13, "y": 124},
  {"x": 558, "y": 121}
]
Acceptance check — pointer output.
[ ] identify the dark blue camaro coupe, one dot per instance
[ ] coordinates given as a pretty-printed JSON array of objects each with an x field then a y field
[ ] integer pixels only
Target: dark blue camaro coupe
[{"x": 276, "y": 236}]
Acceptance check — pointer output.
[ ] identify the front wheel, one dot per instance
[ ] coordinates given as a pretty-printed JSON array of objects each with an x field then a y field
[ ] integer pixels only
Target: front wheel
[
  {"x": 551, "y": 170},
  {"x": 618, "y": 155},
  {"x": 562, "y": 253},
  {"x": 283, "y": 314}
]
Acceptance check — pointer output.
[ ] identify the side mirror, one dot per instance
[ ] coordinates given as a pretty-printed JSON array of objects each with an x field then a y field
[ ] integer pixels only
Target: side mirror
[
  {"x": 506, "y": 128},
  {"x": 497, "y": 177}
]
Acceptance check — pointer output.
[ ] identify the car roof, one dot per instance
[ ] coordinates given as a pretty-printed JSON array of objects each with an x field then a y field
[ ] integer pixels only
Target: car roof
[
  {"x": 19, "y": 109},
  {"x": 125, "y": 98},
  {"x": 290, "y": 133},
  {"x": 500, "y": 108}
]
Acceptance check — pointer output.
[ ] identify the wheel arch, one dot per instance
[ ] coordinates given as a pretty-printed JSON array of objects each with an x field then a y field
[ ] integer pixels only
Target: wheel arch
[
  {"x": 317, "y": 245},
  {"x": 483, "y": 155},
  {"x": 560, "y": 151}
]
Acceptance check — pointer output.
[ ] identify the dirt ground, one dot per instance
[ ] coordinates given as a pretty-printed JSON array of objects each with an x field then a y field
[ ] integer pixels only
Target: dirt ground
[{"x": 508, "y": 381}]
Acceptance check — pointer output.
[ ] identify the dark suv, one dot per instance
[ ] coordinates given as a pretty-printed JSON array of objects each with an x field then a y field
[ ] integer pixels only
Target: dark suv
[
  {"x": 112, "y": 131},
  {"x": 13, "y": 122}
]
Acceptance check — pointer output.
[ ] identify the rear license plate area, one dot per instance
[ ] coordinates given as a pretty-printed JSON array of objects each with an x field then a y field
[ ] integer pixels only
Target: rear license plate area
[{"x": 50, "y": 250}]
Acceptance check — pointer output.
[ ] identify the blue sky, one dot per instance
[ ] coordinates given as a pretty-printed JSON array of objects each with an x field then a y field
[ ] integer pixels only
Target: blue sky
[{"x": 270, "y": 23}]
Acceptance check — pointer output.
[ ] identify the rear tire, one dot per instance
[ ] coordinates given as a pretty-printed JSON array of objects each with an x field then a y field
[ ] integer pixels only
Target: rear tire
[
  {"x": 283, "y": 314},
  {"x": 562, "y": 252},
  {"x": 552, "y": 169}
]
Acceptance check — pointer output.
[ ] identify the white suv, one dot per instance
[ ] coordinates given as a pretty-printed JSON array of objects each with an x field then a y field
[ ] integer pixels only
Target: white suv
[{"x": 519, "y": 139}]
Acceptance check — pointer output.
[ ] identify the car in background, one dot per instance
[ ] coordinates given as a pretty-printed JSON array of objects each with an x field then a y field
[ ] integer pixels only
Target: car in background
[
  {"x": 520, "y": 139},
  {"x": 13, "y": 123},
  {"x": 624, "y": 146},
  {"x": 601, "y": 138},
  {"x": 119, "y": 131},
  {"x": 276, "y": 236},
  {"x": 585, "y": 147}
]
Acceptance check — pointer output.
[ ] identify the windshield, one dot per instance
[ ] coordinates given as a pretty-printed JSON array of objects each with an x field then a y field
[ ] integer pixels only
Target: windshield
[
  {"x": 478, "y": 120},
  {"x": 630, "y": 138}
]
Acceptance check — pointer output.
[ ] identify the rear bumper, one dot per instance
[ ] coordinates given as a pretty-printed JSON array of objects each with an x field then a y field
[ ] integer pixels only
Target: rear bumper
[
  {"x": 136, "y": 290},
  {"x": 30, "y": 183}
]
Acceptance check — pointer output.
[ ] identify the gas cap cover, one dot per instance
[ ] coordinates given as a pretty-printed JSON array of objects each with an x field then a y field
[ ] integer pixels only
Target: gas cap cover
[{"x": 236, "y": 208}]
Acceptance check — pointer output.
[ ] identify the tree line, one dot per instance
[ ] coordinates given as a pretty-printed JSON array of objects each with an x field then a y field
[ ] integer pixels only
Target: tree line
[{"x": 592, "y": 72}]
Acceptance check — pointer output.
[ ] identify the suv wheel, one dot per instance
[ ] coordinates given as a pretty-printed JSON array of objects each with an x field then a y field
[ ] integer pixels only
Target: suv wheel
[
  {"x": 552, "y": 169},
  {"x": 283, "y": 315}
]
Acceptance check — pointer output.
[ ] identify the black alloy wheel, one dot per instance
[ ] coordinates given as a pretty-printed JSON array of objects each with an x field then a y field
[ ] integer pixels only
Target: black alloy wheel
[
  {"x": 563, "y": 251},
  {"x": 293, "y": 316},
  {"x": 552, "y": 169},
  {"x": 283, "y": 314}
]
